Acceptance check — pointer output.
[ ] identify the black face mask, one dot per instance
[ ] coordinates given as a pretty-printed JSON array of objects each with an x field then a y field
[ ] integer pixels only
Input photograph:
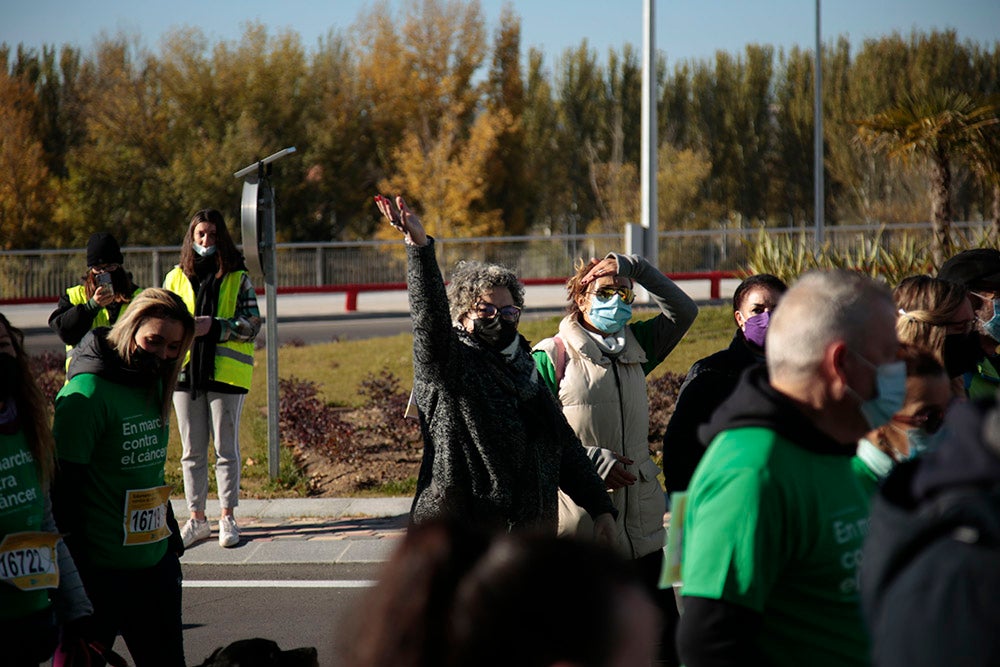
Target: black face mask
[
  {"x": 8, "y": 375},
  {"x": 962, "y": 353},
  {"x": 497, "y": 333},
  {"x": 147, "y": 362}
]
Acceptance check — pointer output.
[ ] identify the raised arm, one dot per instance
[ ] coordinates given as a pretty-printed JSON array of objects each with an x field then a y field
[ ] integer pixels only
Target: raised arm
[{"x": 432, "y": 327}]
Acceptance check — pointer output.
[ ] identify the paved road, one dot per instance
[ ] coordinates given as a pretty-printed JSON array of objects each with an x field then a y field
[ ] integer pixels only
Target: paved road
[
  {"x": 294, "y": 605},
  {"x": 320, "y": 318}
]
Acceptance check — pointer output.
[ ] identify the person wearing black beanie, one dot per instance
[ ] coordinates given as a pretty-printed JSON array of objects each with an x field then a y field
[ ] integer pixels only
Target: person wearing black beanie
[{"x": 104, "y": 292}]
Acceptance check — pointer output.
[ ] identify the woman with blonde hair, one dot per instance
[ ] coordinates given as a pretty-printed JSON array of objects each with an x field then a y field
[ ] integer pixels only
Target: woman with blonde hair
[
  {"x": 937, "y": 316},
  {"x": 110, "y": 498}
]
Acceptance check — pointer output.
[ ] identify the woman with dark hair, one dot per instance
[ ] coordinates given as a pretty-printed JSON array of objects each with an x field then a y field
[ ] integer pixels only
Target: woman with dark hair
[
  {"x": 454, "y": 595},
  {"x": 496, "y": 445},
  {"x": 103, "y": 293},
  {"x": 711, "y": 380},
  {"x": 111, "y": 431},
  {"x": 214, "y": 283},
  {"x": 39, "y": 584}
]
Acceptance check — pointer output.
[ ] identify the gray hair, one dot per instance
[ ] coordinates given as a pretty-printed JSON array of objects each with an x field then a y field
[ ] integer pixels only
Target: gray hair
[
  {"x": 470, "y": 280},
  {"x": 820, "y": 308}
]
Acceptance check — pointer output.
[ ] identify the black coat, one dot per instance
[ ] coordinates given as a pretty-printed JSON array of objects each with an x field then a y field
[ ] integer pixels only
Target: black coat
[
  {"x": 496, "y": 444},
  {"x": 931, "y": 577},
  {"x": 709, "y": 382}
]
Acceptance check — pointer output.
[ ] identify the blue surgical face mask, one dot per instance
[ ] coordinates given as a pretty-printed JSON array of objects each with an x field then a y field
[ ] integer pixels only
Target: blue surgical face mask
[
  {"x": 890, "y": 391},
  {"x": 611, "y": 315},
  {"x": 992, "y": 325},
  {"x": 202, "y": 250}
]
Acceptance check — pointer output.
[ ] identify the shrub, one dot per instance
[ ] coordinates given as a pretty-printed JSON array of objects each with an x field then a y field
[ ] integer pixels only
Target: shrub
[
  {"x": 307, "y": 421},
  {"x": 384, "y": 396},
  {"x": 49, "y": 370},
  {"x": 662, "y": 398}
]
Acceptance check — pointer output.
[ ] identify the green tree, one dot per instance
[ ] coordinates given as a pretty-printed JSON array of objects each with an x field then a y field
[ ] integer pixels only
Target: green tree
[
  {"x": 117, "y": 175},
  {"x": 506, "y": 179},
  {"x": 937, "y": 129}
]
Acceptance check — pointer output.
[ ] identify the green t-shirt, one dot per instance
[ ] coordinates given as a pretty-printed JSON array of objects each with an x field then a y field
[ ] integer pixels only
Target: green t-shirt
[
  {"x": 118, "y": 433},
  {"x": 22, "y": 508},
  {"x": 779, "y": 529}
]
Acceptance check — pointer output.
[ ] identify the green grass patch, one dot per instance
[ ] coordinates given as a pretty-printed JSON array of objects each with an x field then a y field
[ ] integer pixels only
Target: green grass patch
[{"x": 339, "y": 367}]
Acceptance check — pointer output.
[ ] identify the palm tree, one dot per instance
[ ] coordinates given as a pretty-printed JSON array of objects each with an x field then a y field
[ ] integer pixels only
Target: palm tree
[
  {"x": 985, "y": 161},
  {"x": 938, "y": 127}
]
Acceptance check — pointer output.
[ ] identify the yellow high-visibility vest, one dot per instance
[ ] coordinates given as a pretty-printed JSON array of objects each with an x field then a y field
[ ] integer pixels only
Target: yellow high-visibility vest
[
  {"x": 233, "y": 360},
  {"x": 78, "y": 296}
]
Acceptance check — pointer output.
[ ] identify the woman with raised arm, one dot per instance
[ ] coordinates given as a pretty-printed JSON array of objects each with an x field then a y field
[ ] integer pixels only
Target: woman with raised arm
[{"x": 496, "y": 445}]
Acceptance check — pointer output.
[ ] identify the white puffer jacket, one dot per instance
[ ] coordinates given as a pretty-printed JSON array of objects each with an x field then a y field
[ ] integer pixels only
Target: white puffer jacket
[{"x": 605, "y": 401}]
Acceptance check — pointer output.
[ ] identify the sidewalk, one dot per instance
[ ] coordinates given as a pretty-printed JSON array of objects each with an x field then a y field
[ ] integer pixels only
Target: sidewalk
[{"x": 304, "y": 531}]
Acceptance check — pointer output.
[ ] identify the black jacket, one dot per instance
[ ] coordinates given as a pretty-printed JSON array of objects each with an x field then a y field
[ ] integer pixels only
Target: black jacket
[
  {"x": 496, "y": 444},
  {"x": 709, "y": 382},
  {"x": 931, "y": 573}
]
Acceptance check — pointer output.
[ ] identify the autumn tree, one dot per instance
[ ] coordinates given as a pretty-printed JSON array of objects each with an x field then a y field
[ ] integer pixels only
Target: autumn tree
[
  {"x": 418, "y": 74},
  {"x": 25, "y": 192}
]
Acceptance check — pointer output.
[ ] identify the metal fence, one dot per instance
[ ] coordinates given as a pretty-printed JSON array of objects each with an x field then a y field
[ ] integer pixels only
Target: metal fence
[{"x": 27, "y": 275}]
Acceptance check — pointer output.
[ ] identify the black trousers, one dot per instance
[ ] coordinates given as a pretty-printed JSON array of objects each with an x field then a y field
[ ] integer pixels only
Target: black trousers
[
  {"x": 649, "y": 567},
  {"x": 143, "y": 606},
  {"x": 27, "y": 641}
]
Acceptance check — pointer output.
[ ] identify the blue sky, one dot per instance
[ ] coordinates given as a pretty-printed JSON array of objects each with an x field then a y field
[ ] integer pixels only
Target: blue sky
[{"x": 685, "y": 28}]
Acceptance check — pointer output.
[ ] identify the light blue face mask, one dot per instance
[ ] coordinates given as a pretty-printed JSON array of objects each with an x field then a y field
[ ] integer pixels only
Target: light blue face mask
[
  {"x": 920, "y": 441},
  {"x": 611, "y": 315},
  {"x": 992, "y": 325},
  {"x": 890, "y": 388},
  {"x": 202, "y": 250}
]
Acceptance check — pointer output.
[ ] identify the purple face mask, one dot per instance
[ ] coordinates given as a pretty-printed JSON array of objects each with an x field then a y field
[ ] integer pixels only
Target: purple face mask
[{"x": 755, "y": 328}]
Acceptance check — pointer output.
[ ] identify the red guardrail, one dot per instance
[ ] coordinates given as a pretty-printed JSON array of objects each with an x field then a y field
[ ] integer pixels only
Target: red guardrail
[{"x": 352, "y": 291}]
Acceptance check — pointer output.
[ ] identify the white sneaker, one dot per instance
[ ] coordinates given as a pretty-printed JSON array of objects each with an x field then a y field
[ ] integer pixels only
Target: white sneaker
[
  {"x": 195, "y": 531},
  {"x": 229, "y": 533}
]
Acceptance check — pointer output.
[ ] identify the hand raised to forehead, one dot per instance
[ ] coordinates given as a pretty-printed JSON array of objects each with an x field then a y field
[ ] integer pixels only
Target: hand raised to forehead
[{"x": 605, "y": 267}]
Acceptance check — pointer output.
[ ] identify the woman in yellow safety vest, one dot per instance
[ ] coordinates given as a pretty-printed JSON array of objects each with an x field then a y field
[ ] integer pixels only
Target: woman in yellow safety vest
[
  {"x": 213, "y": 281},
  {"x": 104, "y": 292}
]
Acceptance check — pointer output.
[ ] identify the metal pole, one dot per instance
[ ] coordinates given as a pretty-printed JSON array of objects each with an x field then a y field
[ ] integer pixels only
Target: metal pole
[
  {"x": 818, "y": 199},
  {"x": 649, "y": 142},
  {"x": 271, "y": 298}
]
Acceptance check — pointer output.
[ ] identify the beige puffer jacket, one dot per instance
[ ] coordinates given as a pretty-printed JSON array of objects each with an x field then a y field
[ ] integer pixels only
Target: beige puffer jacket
[{"x": 606, "y": 403}]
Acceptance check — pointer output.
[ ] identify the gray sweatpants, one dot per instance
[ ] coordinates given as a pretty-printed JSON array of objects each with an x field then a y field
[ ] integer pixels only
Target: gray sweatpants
[{"x": 218, "y": 415}]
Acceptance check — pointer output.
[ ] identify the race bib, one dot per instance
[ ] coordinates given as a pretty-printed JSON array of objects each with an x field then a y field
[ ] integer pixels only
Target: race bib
[
  {"x": 146, "y": 515},
  {"x": 28, "y": 560}
]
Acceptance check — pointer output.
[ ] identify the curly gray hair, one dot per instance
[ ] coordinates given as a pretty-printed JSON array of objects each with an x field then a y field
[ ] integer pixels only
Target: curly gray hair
[{"x": 470, "y": 280}]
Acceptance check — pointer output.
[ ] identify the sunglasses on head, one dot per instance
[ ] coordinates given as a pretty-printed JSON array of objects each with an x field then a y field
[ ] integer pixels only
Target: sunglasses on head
[
  {"x": 487, "y": 311},
  {"x": 605, "y": 293},
  {"x": 929, "y": 421}
]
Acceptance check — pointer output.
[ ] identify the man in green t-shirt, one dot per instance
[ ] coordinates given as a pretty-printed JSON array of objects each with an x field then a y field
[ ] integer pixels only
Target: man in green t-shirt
[{"x": 775, "y": 516}]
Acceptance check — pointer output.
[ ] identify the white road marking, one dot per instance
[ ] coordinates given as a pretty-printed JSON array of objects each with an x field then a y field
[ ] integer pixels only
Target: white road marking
[{"x": 278, "y": 583}]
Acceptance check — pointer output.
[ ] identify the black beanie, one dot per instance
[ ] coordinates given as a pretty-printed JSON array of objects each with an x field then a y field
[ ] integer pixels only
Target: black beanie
[{"x": 102, "y": 248}]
